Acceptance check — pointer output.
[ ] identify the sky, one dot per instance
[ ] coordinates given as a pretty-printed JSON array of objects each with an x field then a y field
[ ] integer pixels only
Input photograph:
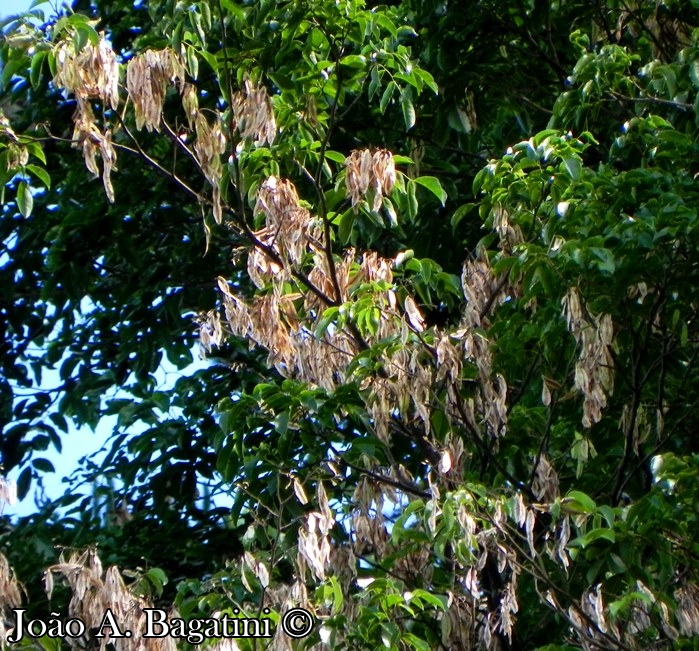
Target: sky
[
  {"x": 77, "y": 443},
  {"x": 10, "y": 7},
  {"x": 54, "y": 484}
]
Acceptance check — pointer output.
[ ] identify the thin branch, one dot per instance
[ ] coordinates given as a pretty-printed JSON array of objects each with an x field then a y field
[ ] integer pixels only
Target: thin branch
[
  {"x": 157, "y": 166},
  {"x": 671, "y": 431},
  {"x": 683, "y": 106},
  {"x": 493, "y": 296},
  {"x": 321, "y": 197},
  {"x": 485, "y": 449},
  {"x": 406, "y": 488},
  {"x": 180, "y": 143},
  {"x": 638, "y": 383},
  {"x": 544, "y": 442}
]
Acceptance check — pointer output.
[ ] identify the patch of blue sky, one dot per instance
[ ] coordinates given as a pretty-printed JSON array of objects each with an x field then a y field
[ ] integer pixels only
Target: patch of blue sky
[
  {"x": 10, "y": 8},
  {"x": 81, "y": 448}
]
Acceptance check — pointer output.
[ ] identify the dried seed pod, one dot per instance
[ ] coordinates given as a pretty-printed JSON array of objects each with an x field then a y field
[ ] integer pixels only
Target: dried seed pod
[
  {"x": 190, "y": 103},
  {"x": 367, "y": 171},
  {"x": 91, "y": 73},
  {"x": 148, "y": 77},
  {"x": 594, "y": 368},
  {"x": 88, "y": 137},
  {"x": 210, "y": 145},
  {"x": 253, "y": 114}
]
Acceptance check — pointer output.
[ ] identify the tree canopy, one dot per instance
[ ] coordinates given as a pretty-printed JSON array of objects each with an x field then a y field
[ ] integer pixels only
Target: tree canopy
[{"x": 442, "y": 261}]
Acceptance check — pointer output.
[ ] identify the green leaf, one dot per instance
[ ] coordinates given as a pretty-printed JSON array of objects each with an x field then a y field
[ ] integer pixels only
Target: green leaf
[
  {"x": 157, "y": 578},
  {"x": 408, "y": 112},
  {"x": 479, "y": 179},
  {"x": 344, "y": 230},
  {"x": 176, "y": 40},
  {"x": 25, "y": 201},
  {"x": 210, "y": 59},
  {"x": 572, "y": 167},
  {"x": 40, "y": 174},
  {"x": 434, "y": 186},
  {"x": 412, "y": 200},
  {"x": 627, "y": 601},
  {"x": 400, "y": 527},
  {"x": 43, "y": 465},
  {"x": 578, "y": 501},
  {"x": 205, "y": 15},
  {"x": 416, "y": 643},
  {"x": 599, "y": 533},
  {"x": 427, "y": 79},
  {"x": 34, "y": 148},
  {"x": 384, "y": 21},
  {"x": 607, "y": 512},
  {"x": 80, "y": 39},
  {"x": 90, "y": 32},
  {"x": 335, "y": 156},
  {"x": 195, "y": 21},
  {"x": 228, "y": 461},
  {"x": 390, "y": 211},
  {"x": 10, "y": 68},
  {"x": 390, "y": 633},
  {"x": 411, "y": 79},
  {"x": 542, "y": 135},
  {"x": 59, "y": 421},
  {"x": 192, "y": 62},
  {"x": 281, "y": 423},
  {"x": 603, "y": 259},
  {"x": 328, "y": 317},
  {"x": 354, "y": 61},
  {"x": 24, "y": 482},
  {"x": 399, "y": 159},
  {"x": 694, "y": 72},
  {"x": 235, "y": 10},
  {"x": 36, "y": 67},
  {"x": 386, "y": 96},
  {"x": 338, "y": 598},
  {"x": 433, "y": 600},
  {"x": 374, "y": 83}
]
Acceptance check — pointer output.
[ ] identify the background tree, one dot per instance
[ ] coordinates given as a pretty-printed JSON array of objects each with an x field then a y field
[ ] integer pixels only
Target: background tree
[{"x": 432, "y": 419}]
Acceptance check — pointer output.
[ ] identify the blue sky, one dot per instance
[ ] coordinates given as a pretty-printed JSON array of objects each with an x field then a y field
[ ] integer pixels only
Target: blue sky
[
  {"x": 10, "y": 7},
  {"x": 78, "y": 442}
]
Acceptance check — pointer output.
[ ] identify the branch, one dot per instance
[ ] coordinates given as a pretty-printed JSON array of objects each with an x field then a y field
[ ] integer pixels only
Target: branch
[
  {"x": 406, "y": 488},
  {"x": 157, "y": 166},
  {"x": 683, "y": 106},
  {"x": 316, "y": 181},
  {"x": 493, "y": 296},
  {"x": 180, "y": 143},
  {"x": 487, "y": 450},
  {"x": 637, "y": 388}
]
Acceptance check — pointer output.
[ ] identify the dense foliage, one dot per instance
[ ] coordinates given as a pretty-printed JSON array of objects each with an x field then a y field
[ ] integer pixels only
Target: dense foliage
[{"x": 441, "y": 259}]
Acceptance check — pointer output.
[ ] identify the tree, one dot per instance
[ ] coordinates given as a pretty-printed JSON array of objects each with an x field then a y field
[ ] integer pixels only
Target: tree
[{"x": 451, "y": 398}]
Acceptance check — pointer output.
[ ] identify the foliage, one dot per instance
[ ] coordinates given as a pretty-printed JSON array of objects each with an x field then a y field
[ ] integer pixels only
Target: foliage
[{"x": 450, "y": 314}]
